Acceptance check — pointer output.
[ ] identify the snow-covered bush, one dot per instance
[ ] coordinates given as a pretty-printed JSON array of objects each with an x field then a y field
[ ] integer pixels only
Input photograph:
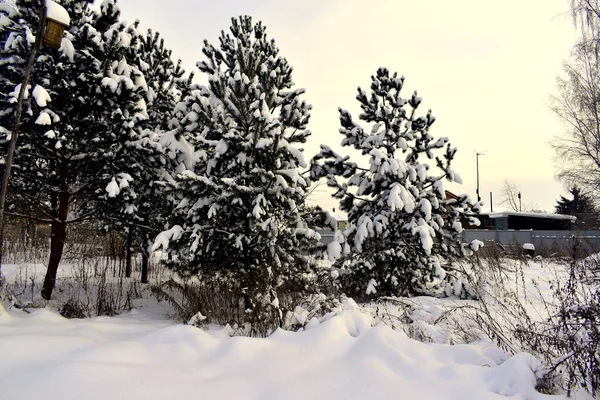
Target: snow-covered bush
[
  {"x": 239, "y": 194},
  {"x": 404, "y": 231}
]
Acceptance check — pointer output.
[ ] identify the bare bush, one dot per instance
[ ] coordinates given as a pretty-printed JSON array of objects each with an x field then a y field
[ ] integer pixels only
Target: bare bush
[
  {"x": 95, "y": 282},
  {"x": 218, "y": 302},
  {"x": 564, "y": 332}
]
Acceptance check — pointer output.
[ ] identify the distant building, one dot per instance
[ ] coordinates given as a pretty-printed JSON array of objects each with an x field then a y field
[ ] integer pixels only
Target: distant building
[
  {"x": 513, "y": 220},
  {"x": 340, "y": 222}
]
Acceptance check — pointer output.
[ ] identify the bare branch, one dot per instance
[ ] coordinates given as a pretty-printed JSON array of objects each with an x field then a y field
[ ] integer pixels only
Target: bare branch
[
  {"x": 509, "y": 195},
  {"x": 578, "y": 106}
]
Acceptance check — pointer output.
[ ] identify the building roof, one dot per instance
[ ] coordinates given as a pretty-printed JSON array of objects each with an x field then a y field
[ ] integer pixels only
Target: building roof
[
  {"x": 337, "y": 217},
  {"x": 503, "y": 214},
  {"x": 450, "y": 195}
]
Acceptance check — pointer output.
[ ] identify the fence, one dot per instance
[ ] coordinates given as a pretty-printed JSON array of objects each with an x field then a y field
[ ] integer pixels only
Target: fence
[
  {"x": 549, "y": 242},
  {"x": 545, "y": 241},
  {"x": 326, "y": 235}
]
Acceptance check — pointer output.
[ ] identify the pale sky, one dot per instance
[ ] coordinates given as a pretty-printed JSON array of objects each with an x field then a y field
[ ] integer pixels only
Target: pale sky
[{"x": 486, "y": 69}]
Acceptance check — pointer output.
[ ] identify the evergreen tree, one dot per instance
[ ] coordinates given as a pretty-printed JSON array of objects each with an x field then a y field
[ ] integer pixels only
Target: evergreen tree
[
  {"x": 239, "y": 200},
  {"x": 168, "y": 83},
  {"x": 581, "y": 206},
  {"x": 134, "y": 209},
  {"x": 86, "y": 104},
  {"x": 580, "y": 203},
  {"x": 402, "y": 232}
]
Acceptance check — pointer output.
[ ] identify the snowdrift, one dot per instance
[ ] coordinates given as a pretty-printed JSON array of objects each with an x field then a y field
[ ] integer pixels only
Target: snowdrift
[{"x": 348, "y": 356}]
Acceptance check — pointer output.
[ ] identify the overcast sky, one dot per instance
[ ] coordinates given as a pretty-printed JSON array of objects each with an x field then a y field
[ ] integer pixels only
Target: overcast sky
[{"x": 486, "y": 69}]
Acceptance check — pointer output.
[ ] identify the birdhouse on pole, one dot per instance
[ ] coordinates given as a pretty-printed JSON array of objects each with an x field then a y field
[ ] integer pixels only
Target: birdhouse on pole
[{"x": 57, "y": 19}]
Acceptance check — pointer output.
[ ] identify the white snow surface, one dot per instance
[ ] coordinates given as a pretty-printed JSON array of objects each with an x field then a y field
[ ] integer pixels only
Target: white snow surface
[
  {"x": 351, "y": 353},
  {"x": 528, "y": 246},
  {"x": 41, "y": 96},
  {"x": 43, "y": 119},
  {"x": 112, "y": 188},
  {"x": 67, "y": 48},
  {"x": 57, "y": 13},
  {"x": 346, "y": 356},
  {"x": 532, "y": 214}
]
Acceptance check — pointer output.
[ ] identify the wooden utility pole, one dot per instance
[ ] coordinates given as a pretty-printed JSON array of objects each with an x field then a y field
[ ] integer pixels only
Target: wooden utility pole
[{"x": 477, "y": 165}]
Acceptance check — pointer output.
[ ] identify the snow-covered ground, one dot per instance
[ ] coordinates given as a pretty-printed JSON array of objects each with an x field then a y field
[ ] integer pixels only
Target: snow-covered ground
[{"x": 351, "y": 354}]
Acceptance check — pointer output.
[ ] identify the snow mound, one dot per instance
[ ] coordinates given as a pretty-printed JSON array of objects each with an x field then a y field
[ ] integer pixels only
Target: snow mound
[
  {"x": 343, "y": 356},
  {"x": 514, "y": 377}
]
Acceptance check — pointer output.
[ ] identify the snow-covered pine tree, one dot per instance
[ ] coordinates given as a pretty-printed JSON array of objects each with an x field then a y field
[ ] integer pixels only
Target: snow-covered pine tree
[
  {"x": 403, "y": 231},
  {"x": 86, "y": 103},
  {"x": 168, "y": 83},
  {"x": 135, "y": 209},
  {"x": 238, "y": 202}
]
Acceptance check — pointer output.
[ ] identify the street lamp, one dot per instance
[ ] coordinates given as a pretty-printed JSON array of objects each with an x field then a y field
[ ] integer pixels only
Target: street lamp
[{"x": 53, "y": 19}]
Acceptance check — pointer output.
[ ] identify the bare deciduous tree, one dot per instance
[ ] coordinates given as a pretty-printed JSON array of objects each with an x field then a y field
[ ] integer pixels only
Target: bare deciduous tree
[
  {"x": 578, "y": 106},
  {"x": 509, "y": 195},
  {"x": 586, "y": 14}
]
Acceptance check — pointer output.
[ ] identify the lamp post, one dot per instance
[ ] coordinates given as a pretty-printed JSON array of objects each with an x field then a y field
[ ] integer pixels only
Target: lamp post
[{"x": 53, "y": 19}]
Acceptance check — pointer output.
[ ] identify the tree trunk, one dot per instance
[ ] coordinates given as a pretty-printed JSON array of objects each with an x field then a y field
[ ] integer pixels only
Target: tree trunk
[
  {"x": 145, "y": 258},
  {"x": 28, "y": 233},
  {"x": 57, "y": 244},
  {"x": 31, "y": 233},
  {"x": 248, "y": 283},
  {"x": 128, "y": 252}
]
